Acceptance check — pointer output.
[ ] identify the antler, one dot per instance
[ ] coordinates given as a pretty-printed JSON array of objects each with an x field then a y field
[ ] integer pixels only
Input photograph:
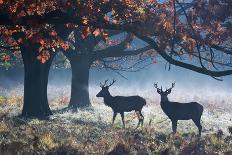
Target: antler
[
  {"x": 103, "y": 85},
  {"x": 156, "y": 86},
  {"x": 173, "y": 85},
  {"x": 112, "y": 83}
]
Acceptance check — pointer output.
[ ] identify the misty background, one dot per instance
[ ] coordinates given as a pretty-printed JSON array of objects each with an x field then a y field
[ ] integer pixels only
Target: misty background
[{"x": 189, "y": 85}]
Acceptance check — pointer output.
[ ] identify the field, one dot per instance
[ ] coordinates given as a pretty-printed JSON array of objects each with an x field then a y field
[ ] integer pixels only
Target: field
[{"x": 89, "y": 131}]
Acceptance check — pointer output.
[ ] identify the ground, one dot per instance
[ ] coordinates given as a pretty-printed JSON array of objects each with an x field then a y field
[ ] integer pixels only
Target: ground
[{"x": 89, "y": 131}]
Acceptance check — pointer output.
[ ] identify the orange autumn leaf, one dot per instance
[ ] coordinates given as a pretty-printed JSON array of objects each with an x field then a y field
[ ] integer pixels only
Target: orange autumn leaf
[
  {"x": 39, "y": 57},
  {"x": 88, "y": 31},
  {"x": 65, "y": 46},
  {"x": 41, "y": 48},
  {"x": 20, "y": 40},
  {"x": 6, "y": 58},
  {"x": 53, "y": 33},
  {"x": 85, "y": 20},
  {"x": 43, "y": 60},
  {"x": 42, "y": 42},
  {"x": 43, "y": 57},
  {"x": 168, "y": 25},
  {"x": 68, "y": 25},
  {"x": 96, "y": 32},
  {"x": 128, "y": 45},
  {"x": 107, "y": 18},
  {"x": 83, "y": 36},
  {"x": 30, "y": 35},
  {"x": 191, "y": 44}
]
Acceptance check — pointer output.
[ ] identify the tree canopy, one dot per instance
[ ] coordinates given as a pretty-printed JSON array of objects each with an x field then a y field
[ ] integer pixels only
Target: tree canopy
[{"x": 192, "y": 34}]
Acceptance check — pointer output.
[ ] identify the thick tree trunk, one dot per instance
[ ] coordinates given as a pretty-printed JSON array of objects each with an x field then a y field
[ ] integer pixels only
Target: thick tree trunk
[
  {"x": 35, "y": 83},
  {"x": 80, "y": 82}
]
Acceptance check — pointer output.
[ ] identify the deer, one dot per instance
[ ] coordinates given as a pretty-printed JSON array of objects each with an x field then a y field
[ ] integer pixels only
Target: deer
[
  {"x": 121, "y": 104},
  {"x": 180, "y": 111}
]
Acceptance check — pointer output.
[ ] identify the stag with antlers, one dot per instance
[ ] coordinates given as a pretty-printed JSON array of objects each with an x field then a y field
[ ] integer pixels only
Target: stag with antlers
[
  {"x": 121, "y": 104},
  {"x": 180, "y": 111}
]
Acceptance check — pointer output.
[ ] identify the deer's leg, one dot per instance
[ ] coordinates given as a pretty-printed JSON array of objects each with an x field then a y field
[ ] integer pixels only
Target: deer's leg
[
  {"x": 122, "y": 115},
  {"x": 197, "y": 122},
  {"x": 141, "y": 117},
  {"x": 174, "y": 126},
  {"x": 114, "y": 116}
]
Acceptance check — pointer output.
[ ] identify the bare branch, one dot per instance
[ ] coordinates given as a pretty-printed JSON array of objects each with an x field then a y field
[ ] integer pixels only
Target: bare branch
[
  {"x": 201, "y": 70},
  {"x": 10, "y": 47},
  {"x": 116, "y": 52},
  {"x": 223, "y": 49}
]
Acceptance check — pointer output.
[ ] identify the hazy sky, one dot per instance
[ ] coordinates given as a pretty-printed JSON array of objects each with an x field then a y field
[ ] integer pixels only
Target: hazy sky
[{"x": 184, "y": 78}]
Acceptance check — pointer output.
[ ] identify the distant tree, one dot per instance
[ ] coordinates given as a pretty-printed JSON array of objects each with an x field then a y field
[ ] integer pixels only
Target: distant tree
[{"x": 192, "y": 34}]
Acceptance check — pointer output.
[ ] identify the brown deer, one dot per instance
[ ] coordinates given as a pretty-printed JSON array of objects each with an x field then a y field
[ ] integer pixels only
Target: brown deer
[
  {"x": 180, "y": 111},
  {"x": 121, "y": 104}
]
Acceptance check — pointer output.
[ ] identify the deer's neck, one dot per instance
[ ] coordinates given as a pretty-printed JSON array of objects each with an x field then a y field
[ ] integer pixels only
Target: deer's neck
[
  {"x": 164, "y": 99},
  {"x": 108, "y": 99}
]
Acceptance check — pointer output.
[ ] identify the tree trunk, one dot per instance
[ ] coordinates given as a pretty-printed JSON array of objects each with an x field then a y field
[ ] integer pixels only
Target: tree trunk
[
  {"x": 80, "y": 82},
  {"x": 35, "y": 83}
]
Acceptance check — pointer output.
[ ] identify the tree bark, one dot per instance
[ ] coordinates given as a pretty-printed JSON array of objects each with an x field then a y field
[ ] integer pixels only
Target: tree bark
[
  {"x": 80, "y": 81},
  {"x": 35, "y": 83}
]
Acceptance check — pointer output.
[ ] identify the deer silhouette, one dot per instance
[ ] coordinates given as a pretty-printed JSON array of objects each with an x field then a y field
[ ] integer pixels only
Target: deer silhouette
[
  {"x": 180, "y": 111},
  {"x": 121, "y": 104}
]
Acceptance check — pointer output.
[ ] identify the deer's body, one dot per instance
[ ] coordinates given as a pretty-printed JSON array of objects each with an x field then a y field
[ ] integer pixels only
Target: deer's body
[
  {"x": 121, "y": 104},
  {"x": 180, "y": 111},
  {"x": 124, "y": 103}
]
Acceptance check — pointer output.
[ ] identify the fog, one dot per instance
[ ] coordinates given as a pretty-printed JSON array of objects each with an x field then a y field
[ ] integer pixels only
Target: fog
[
  {"x": 140, "y": 81},
  {"x": 189, "y": 85}
]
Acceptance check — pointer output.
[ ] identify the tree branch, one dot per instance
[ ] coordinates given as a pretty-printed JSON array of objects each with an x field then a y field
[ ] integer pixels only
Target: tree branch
[
  {"x": 205, "y": 71},
  {"x": 119, "y": 53},
  {"x": 9, "y": 47},
  {"x": 220, "y": 48}
]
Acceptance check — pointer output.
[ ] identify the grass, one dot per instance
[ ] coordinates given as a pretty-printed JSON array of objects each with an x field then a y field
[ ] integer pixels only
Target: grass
[{"x": 90, "y": 131}]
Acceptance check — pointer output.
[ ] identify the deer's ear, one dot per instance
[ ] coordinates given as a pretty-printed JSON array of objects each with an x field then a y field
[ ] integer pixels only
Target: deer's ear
[
  {"x": 169, "y": 91},
  {"x": 158, "y": 91}
]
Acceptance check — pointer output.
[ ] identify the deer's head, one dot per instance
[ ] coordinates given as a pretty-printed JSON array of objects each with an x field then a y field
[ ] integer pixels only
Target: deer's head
[
  {"x": 105, "y": 89},
  {"x": 166, "y": 92}
]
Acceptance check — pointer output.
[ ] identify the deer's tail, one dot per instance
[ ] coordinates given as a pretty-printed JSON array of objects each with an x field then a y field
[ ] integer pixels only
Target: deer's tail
[{"x": 144, "y": 101}]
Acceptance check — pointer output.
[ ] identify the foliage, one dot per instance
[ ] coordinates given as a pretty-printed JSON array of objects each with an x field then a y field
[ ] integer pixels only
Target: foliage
[{"x": 197, "y": 30}]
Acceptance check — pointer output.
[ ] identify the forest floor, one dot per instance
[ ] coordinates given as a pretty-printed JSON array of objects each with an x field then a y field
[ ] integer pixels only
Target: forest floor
[{"x": 90, "y": 131}]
